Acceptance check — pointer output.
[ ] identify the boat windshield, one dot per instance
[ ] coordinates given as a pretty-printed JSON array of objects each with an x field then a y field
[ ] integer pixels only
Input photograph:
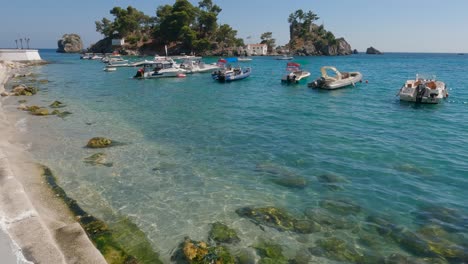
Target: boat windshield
[{"x": 425, "y": 77}]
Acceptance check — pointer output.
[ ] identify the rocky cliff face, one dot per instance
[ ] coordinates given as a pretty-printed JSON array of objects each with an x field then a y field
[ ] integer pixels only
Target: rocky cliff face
[
  {"x": 316, "y": 41},
  {"x": 70, "y": 43}
]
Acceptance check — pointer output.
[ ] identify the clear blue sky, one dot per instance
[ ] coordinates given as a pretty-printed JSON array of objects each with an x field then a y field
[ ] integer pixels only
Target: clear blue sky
[{"x": 388, "y": 25}]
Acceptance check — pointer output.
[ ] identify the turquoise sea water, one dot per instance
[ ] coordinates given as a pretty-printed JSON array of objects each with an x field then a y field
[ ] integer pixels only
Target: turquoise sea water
[{"x": 195, "y": 151}]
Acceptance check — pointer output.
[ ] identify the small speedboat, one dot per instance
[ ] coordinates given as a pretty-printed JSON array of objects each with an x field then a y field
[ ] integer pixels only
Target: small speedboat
[
  {"x": 340, "y": 80},
  {"x": 231, "y": 74},
  {"x": 284, "y": 57},
  {"x": 110, "y": 69},
  {"x": 198, "y": 66},
  {"x": 244, "y": 59},
  {"x": 426, "y": 90},
  {"x": 295, "y": 74}
]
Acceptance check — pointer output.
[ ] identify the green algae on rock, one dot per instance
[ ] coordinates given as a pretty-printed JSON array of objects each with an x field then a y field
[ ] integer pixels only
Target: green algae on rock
[
  {"x": 270, "y": 253},
  {"x": 113, "y": 242},
  {"x": 99, "y": 142},
  {"x": 200, "y": 252},
  {"x": 57, "y": 104},
  {"x": 278, "y": 219},
  {"x": 221, "y": 233}
]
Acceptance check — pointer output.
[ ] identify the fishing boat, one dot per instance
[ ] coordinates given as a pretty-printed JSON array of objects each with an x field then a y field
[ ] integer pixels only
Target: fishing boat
[
  {"x": 159, "y": 69},
  {"x": 340, "y": 80},
  {"x": 295, "y": 73},
  {"x": 198, "y": 66},
  {"x": 426, "y": 90}
]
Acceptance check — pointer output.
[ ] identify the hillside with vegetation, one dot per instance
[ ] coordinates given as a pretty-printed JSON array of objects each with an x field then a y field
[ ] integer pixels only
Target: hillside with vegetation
[
  {"x": 189, "y": 29},
  {"x": 308, "y": 38},
  {"x": 184, "y": 28}
]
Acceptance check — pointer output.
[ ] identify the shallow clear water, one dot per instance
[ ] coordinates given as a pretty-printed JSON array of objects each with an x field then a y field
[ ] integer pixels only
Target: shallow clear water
[{"x": 196, "y": 150}]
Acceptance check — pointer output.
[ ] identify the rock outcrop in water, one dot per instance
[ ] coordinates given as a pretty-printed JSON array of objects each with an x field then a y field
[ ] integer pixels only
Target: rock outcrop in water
[
  {"x": 70, "y": 43},
  {"x": 372, "y": 50}
]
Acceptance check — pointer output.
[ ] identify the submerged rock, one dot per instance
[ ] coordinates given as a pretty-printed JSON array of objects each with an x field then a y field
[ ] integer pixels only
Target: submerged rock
[
  {"x": 63, "y": 114},
  {"x": 113, "y": 243},
  {"x": 282, "y": 176},
  {"x": 24, "y": 90},
  {"x": 278, "y": 219},
  {"x": 200, "y": 252},
  {"x": 99, "y": 142},
  {"x": 98, "y": 159},
  {"x": 270, "y": 253},
  {"x": 223, "y": 234},
  {"x": 337, "y": 249},
  {"x": 342, "y": 207},
  {"x": 331, "y": 181},
  {"x": 40, "y": 111},
  {"x": 291, "y": 182},
  {"x": 57, "y": 104}
]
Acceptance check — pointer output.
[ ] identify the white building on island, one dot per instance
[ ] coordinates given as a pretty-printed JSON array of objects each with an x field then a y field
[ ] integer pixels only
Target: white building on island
[{"x": 257, "y": 49}]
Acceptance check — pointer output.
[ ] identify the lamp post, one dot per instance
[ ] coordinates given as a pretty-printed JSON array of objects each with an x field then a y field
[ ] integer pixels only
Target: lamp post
[{"x": 16, "y": 41}]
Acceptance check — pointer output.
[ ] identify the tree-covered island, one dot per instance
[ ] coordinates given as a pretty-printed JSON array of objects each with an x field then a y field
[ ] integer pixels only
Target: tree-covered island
[{"x": 189, "y": 29}]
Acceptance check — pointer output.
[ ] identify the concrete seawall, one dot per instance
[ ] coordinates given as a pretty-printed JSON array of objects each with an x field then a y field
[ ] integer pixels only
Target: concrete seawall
[{"x": 19, "y": 55}]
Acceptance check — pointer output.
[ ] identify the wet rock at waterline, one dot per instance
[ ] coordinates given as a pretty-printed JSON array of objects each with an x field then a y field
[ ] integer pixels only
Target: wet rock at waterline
[
  {"x": 221, "y": 233},
  {"x": 57, "y": 104},
  {"x": 99, "y": 142},
  {"x": 200, "y": 252}
]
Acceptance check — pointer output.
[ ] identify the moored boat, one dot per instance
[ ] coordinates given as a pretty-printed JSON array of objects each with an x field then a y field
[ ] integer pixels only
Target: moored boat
[
  {"x": 340, "y": 80},
  {"x": 295, "y": 73},
  {"x": 231, "y": 74},
  {"x": 198, "y": 66},
  {"x": 284, "y": 57},
  {"x": 159, "y": 69},
  {"x": 426, "y": 90},
  {"x": 227, "y": 73}
]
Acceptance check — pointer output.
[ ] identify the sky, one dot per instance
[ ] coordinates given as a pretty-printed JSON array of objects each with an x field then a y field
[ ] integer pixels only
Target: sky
[{"x": 388, "y": 25}]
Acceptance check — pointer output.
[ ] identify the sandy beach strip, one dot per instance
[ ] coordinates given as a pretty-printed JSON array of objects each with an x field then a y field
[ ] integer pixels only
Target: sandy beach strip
[{"x": 37, "y": 221}]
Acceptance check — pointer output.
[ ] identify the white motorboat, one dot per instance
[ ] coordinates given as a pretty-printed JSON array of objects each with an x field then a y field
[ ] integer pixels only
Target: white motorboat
[
  {"x": 425, "y": 90},
  {"x": 160, "y": 69},
  {"x": 110, "y": 69},
  {"x": 194, "y": 66},
  {"x": 231, "y": 74},
  {"x": 295, "y": 73},
  {"x": 340, "y": 80},
  {"x": 284, "y": 57},
  {"x": 244, "y": 59}
]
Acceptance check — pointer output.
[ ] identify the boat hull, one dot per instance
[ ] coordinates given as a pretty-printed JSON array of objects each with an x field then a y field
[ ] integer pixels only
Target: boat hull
[
  {"x": 320, "y": 83},
  {"x": 423, "y": 93}
]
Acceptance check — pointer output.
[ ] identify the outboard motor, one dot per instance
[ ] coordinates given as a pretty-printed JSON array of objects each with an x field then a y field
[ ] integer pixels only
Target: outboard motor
[
  {"x": 317, "y": 83},
  {"x": 420, "y": 90}
]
